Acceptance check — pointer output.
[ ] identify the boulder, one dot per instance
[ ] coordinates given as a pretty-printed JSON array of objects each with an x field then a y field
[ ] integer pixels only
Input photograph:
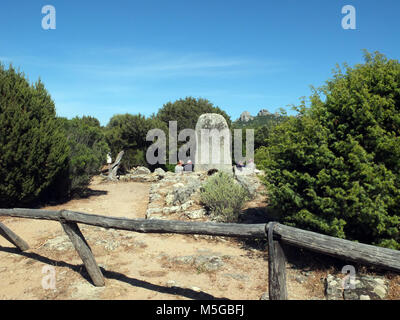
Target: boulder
[
  {"x": 213, "y": 144},
  {"x": 196, "y": 214},
  {"x": 250, "y": 182},
  {"x": 182, "y": 192},
  {"x": 246, "y": 116},
  {"x": 263, "y": 112},
  {"x": 141, "y": 171},
  {"x": 160, "y": 172}
]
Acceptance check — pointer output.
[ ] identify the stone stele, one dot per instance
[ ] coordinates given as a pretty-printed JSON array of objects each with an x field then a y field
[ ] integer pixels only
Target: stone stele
[{"x": 213, "y": 144}]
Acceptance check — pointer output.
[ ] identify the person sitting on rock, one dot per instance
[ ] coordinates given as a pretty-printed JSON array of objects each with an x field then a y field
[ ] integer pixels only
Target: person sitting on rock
[
  {"x": 240, "y": 165},
  {"x": 179, "y": 167},
  {"x": 188, "y": 166},
  {"x": 251, "y": 165}
]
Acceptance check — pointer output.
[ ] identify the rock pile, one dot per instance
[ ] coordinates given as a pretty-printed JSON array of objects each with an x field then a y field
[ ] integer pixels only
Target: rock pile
[
  {"x": 143, "y": 174},
  {"x": 176, "y": 194}
]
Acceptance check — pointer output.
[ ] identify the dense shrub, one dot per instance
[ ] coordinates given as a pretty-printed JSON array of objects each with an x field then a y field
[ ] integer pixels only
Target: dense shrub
[
  {"x": 33, "y": 149},
  {"x": 335, "y": 168},
  {"x": 88, "y": 150},
  {"x": 128, "y": 132},
  {"x": 223, "y": 197}
]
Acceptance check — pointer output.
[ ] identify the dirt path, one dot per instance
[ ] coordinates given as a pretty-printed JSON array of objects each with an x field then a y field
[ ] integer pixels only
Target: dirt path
[{"x": 135, "y": 266}]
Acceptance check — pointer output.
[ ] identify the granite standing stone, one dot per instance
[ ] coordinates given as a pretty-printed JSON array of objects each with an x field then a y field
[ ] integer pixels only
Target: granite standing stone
[{"x": 213, "y": 144}]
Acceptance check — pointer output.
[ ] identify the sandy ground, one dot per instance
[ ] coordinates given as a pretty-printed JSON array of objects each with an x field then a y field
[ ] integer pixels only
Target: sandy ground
[{"x": 135, "y": 266}]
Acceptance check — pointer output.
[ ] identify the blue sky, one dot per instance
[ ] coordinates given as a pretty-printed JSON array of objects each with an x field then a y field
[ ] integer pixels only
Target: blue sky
[{"x": 109, "y": 57}]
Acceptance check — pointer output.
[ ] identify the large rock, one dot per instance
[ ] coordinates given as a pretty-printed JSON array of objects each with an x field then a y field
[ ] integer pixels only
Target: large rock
[
  {"x": 263, "y": 112},
  {"x": 160, "y": 172},
  {"x": 250, "y": 182},
  {"x": 246, "y": 116},
  {"x": 181, "y": 192},
  {"x": 361, "y": 288},
  {"x": 213, "y": 144}
]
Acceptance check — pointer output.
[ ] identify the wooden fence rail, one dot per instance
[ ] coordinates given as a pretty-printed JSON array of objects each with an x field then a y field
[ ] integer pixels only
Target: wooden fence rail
[{"x": 277, "y": 235}]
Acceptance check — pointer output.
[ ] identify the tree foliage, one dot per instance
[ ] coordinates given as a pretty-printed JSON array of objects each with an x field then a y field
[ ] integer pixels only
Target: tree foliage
[
  {"x": 335, "y": 168},
  {"x": 262, "y": 126},
  {"x": 33, "y": 149},
  {"x": 88, "y": 149},
  {"x": 128, "y": 132},
  {"x": 187, "y": 111}
]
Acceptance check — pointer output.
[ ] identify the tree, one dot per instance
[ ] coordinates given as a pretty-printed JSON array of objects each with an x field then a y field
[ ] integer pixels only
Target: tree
[
  {"x": 187, "y": 111},
  {"x": 33, "y": 149},
  {"x": 88, "y": 150},
  {"x": 335, "y": 168},
  {"x": 262, "y": 126},
  {"x": 128, "y": 132}
]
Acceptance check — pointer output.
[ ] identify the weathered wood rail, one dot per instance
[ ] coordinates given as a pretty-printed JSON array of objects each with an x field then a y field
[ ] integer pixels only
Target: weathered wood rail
[{"x": 277, "y": 234}]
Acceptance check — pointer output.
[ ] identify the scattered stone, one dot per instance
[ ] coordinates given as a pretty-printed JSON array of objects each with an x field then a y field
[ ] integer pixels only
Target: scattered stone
[
  {"x": 300, "y": 279},
  {"x": 236, "y": 276},
  {"x": 154, "y": 210},
  {"x": 187, "y": 205},
  {"x": 170, "y": 210},
  {"x": 169, "y": 199},
  {"x": 208, "y": 263},
  {"x": 196, "y": 214},
  {"x": 201, "y": 262},
  {"x": 156, "y": 217},
  {"x": 184, "y": 259},
  {"x": 60, "y": 243},
  {"x": 264, "y": 296},
  {"x": 109, "y": 245},
  {"x": 154, "y": 197},
  {"x": 250, "y": 182},
  {"x": 333, "y": 288},
  {"x": 183, "y": 192},
  {"x": 141, "y": 170},
  {"x": 171, "y": 283}
]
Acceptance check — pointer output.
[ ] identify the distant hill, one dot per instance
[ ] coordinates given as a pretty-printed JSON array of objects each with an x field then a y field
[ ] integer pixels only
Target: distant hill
[{"x": 263, "y": 118}]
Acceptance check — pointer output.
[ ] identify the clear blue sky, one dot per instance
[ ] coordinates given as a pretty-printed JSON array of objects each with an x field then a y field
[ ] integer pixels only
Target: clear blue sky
[{"x": 108, "y": 57}]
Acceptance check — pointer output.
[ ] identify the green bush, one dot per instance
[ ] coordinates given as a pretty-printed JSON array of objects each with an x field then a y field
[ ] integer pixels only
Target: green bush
[
  {"x": 128, "y": 132},
  {"x": 33, "y": 149},
  {"x": 223, "y": 197},
  {"x": 88, "y": 150},
  {"x": 335, "y": 168}
]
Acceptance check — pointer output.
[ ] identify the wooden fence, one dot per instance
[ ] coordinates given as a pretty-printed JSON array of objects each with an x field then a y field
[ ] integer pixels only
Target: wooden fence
[{"x": 277, "y": 234}]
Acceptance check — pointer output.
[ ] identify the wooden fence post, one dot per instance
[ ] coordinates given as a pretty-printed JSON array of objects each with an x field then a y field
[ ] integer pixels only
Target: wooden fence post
[
  {"x": 276, "y": 266},
  {"x": 13, "y": 238},
  {"x": 84, "y": 251}
]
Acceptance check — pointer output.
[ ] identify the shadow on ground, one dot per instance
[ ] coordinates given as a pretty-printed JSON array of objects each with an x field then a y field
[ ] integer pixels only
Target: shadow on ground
[{"x": 80, "y": 269}]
